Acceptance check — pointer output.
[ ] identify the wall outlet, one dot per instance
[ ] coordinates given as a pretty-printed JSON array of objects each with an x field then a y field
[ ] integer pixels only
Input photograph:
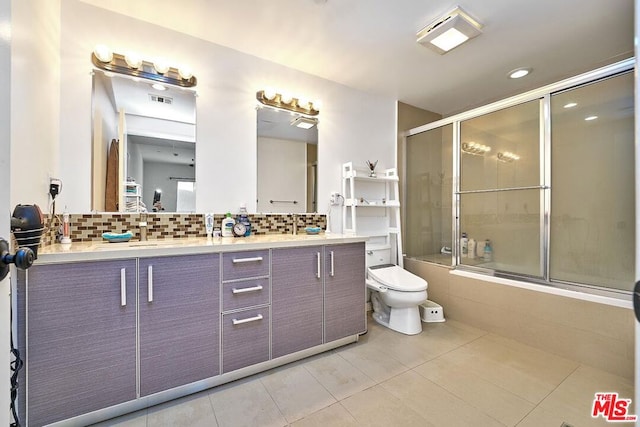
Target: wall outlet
[{"x": 334, "y": 198}]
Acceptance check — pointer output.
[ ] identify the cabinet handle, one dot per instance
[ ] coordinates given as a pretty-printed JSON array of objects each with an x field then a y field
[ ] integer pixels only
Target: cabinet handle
[
  {"x": 240, "y": 260},
  {"x": 331, "y": 256},
  {"x": 123, "y": 287},
  {"x": 318, "y": 258},
  {"x": 243, "y": 290},
  {"x": 247, "y": 320},
  {"x": 150, "y": 284}
]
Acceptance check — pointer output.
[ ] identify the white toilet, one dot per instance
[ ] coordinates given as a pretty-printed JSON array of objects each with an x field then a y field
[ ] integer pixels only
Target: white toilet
[{"x": 396, "y": 297}]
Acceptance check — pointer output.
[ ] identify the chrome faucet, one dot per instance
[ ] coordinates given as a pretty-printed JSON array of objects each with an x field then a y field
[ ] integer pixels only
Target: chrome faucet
[{"x": 295, "y": 224}]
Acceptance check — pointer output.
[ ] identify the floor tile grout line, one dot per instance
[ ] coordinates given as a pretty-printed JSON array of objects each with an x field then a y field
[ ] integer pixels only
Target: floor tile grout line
[
  {"x": 209, "y": 393},
  {"x": 273, "y": 400},
  {"x": 452, "y": 392},
  {"x": 551, "y": 392}
]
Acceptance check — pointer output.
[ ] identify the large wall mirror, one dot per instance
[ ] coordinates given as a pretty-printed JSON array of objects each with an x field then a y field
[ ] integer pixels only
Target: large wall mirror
[
  {"x": 144, "y": 138},
  {"x": 287, "y": 163}
]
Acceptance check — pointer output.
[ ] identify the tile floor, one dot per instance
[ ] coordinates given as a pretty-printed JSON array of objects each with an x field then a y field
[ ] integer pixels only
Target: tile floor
[{"x": 450, "y": 375}]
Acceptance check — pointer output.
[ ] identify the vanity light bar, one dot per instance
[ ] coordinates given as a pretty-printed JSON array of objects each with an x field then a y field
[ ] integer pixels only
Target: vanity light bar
[
  {"x": 508, "y": 156},
  {"x": 286, "y": 102},
  {"x": 121, "y": 64},
  {"x": 475, "y": 148}
]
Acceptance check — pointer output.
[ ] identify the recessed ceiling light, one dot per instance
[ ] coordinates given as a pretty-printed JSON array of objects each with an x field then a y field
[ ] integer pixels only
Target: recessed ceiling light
[
  {"x": 158, "y": 86},
  {"x": 589, "y": 118},
  {"x": 570, "y": 105},
  {"x": 519, "y": 73}
]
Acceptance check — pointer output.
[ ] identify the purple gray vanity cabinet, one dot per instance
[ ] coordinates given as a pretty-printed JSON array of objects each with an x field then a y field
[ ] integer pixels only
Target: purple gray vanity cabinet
[
  {"x": 344, "y": 291},
  {"x": 179, "y": 320},
  {"x": 296, "y": 299},
  {"x": 81, "y": 342}
]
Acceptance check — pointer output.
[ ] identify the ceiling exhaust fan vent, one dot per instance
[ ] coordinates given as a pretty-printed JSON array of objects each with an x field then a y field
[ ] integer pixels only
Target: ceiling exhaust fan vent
[{"x": 160, "y": 99}]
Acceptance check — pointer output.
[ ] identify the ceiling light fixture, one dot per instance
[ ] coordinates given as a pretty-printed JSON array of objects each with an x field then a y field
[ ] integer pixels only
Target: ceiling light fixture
[
  {"x": 570, "y": 105},
  {"x": 590, "y": 118},
  {"x": 304, "y": 122},
  {"x": 449, "y": 31},
  {"x": 519, "y": 73},
  {"x": 287, "y": 102},
  {"x": 133, "y": 65}
]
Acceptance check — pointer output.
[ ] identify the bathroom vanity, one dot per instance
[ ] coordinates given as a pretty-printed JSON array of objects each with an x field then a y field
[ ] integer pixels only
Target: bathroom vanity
[{"x": 105, "y": 329}]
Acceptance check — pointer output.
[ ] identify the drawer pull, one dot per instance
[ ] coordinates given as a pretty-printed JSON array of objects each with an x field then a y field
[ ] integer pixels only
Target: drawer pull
[
  {"x": 247, "y": 320},
  {"x": 241, "y": 260},
  {"x": 150, "y": 283},
  {"x": 332, "y": 267},
  {"x": 123, "y": 287},
  {"x": 318, "y": 259},
  {"x": 243, "y": 290}
]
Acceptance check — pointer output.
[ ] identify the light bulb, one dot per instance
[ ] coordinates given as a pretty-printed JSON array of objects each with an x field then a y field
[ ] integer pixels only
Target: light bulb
[
  {"x": 286, "y": 98},
  {"x": 185, "y": 72},
  {"x": 103, "y": 53},
  {"x": 133, "y": 60},
  {"x": 161, "y": 65},
  {"x": 303, "y": 103},
  {"x": 269, "y": 93}
]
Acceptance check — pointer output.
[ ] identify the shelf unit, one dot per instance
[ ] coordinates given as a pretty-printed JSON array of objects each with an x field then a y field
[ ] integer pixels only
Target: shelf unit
[
  {"x": 132, "y": 197},
  {"x": 372, "y": 209}
]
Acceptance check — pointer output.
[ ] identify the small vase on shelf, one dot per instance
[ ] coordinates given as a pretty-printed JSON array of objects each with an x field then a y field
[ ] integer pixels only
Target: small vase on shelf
[{"x": 372, "y": 167}]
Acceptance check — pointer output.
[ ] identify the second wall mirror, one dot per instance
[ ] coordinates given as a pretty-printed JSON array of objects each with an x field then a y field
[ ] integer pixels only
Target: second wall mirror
[{"x": 287, "y": 163}]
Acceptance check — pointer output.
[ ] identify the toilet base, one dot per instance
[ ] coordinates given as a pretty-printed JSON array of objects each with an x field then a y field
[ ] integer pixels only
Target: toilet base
[{"x": 403, "y": 320}]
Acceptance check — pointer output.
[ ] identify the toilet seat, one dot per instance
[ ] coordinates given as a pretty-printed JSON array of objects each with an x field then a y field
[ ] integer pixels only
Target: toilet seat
[{"x": 397, "y": 278}]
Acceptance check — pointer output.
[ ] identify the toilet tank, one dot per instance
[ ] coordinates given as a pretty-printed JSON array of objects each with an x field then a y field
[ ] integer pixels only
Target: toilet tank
[{"x": 378, "y": 257}]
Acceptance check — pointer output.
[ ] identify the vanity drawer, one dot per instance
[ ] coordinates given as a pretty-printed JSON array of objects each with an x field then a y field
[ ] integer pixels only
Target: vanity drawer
[
  {"x": 241, "y": 265},
  {"x": 245, "y": 293},
  {"x": 245, "y": 338}
]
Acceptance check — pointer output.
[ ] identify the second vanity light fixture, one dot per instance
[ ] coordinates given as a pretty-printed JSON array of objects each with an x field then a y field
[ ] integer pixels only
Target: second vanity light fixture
[
  {"x": 132, "y": 64},
  {"x": 287, "y": 102},
  {"x": 475, "y": 148}
]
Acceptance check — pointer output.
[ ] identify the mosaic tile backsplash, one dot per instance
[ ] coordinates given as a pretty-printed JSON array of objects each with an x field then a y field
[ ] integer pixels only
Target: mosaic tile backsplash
[{"x": 89, "y": 227}]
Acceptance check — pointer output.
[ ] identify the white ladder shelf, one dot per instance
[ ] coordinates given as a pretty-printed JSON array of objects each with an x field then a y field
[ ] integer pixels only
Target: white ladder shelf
[{"x": 372, "y": 209}]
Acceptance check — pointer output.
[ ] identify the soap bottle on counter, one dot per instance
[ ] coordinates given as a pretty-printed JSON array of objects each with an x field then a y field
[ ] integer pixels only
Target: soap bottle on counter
[
  {"x": 227, "y": 225},
  {"x": 464, "y": 245},
  {"x": 472, "y": 248},
  {"x": 243, "y": 218}
]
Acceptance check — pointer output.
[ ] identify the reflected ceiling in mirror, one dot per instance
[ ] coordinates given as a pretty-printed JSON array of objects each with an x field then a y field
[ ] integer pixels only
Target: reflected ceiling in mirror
[
  {"x": 156, "y": 130},
  {"x": 287, "y": 163}
]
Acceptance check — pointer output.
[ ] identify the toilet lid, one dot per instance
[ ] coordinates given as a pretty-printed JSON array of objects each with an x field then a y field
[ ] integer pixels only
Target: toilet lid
[{"x": 397, "y": 278}]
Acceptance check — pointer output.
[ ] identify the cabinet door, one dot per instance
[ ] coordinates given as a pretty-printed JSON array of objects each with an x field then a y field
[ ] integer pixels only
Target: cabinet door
[
  {"x": 344, "y": 306},
  {"x": 81, "y": 338},
  {"x": 296, "y": 299},
  {"x": 179, "y": 321}
]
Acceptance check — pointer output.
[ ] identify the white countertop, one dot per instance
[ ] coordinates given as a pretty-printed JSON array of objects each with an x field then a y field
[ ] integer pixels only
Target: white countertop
[{"x": 92, "y": 251}]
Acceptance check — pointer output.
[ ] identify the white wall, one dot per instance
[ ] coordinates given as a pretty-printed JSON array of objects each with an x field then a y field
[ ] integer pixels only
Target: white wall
[
  {"x": 35, "y": 103},
  {"x": 353, "y": 125}
]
